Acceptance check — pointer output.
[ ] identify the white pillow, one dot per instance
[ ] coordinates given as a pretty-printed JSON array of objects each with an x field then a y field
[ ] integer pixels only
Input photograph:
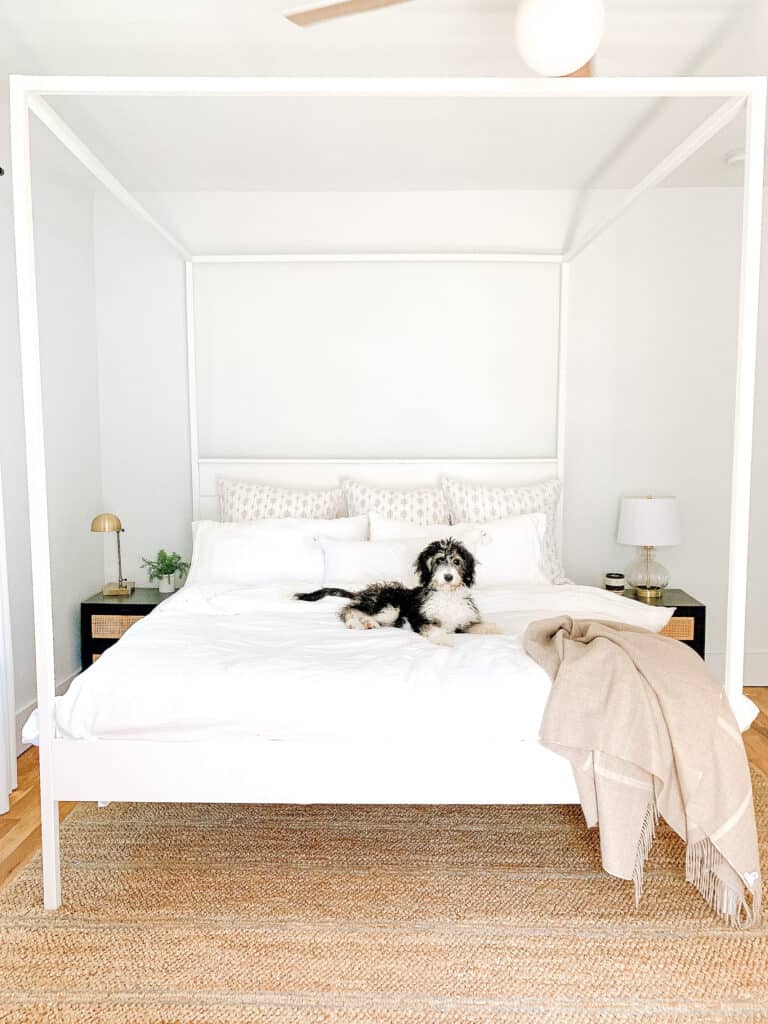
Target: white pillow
[
  {"x": 359, "y": 562},
  {"x": 266, "y": 551},
  {"x": 243, "y": 500},
  {"x": 384, "y": 528},
  {"x": 508, "y": 551},
  {"x": 477, "y": 503},
  {"x": 511, "y": 551},
  {"x": 420, "y": 505}
]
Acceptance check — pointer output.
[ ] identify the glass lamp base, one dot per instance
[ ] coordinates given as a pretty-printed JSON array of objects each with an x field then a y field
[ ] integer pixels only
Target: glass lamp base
[{"x": 646, "y": 576}]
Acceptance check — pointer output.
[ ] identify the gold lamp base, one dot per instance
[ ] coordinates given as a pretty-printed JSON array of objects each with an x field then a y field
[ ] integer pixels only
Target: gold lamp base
[
  {"x": 118, "y": 590},
  {"x": 649, "y": 593}
]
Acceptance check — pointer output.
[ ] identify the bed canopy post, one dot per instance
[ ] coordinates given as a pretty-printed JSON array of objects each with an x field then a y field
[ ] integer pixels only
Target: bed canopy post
[
  {"x": 194, "y": 446},
  {"x": 746, "y": 360},
  {"x": 562, "y": 391},
  {"x": 36, "y": 483}
]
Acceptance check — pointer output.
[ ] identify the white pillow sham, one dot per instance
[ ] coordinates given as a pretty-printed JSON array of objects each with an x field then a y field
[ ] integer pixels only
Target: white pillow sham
[
  {"x": 360, "y": 562},
  {"x": 267, "y": 550},
  {"x": 243, "y": 500},
  {"x": 417, "y": 505},
  {"x": 508, "y": 551},
  {"x": 511, "y": 551},
  {"x": 477, "y": 503}
]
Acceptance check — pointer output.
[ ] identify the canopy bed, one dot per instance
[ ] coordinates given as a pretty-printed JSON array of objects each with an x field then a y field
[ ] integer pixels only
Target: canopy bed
[{"x": 327, "y": 767}]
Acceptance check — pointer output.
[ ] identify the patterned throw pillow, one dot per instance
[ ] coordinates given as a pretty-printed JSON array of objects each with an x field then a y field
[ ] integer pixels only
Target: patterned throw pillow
[
  {"x": 243, "y": 500},
  {"x": 476, "y": 503},
  {"x": 424, "y": 506}
]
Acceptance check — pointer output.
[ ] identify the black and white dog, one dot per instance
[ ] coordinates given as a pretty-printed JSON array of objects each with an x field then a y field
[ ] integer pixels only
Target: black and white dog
[{"x": 442, "y": 604}]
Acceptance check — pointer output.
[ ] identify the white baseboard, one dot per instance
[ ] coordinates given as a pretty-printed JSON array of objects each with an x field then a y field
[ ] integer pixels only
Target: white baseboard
[{"x": 23, "y": 713}]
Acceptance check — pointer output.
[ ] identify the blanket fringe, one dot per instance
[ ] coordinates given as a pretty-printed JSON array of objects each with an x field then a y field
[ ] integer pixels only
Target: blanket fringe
[
  {"x": 702, "y": 859},
  {"x": 647, "y": 835}
]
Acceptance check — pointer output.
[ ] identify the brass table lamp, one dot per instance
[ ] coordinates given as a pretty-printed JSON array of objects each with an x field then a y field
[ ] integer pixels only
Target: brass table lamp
[{"x": 106, "y": 522}]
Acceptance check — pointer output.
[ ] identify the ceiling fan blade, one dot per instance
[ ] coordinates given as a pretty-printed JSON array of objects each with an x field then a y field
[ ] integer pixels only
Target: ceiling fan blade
[
  {"x": 307, "y": 16},
  {"x": 585, "y": 71}
]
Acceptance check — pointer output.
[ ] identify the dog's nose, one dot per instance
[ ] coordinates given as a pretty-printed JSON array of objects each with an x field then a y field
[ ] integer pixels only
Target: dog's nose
[{"x": 448, "y": 577}]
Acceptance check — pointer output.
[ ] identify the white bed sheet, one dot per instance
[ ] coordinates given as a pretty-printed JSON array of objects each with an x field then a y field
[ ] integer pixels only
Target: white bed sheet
[{"x": 217, "y": 662}]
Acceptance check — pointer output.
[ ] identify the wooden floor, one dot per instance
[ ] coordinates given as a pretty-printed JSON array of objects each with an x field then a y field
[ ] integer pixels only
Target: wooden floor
[{"x": 20, "y": 827}]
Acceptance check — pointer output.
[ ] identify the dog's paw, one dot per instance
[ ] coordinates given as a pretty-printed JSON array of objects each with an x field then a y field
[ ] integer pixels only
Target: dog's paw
[
  {"x": 355, "y": 619},
  {"x": 441, "y": 639},
  {"x": 486, "y": 629}
]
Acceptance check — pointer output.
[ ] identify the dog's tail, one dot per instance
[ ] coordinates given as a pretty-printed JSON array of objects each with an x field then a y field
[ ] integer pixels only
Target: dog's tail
[{"x": 318, "y": 595}]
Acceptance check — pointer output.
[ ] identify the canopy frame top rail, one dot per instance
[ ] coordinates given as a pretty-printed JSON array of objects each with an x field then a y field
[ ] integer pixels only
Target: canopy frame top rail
[
  {"x": 736, "y": 90},
  {"x": 564, "y": 88}
]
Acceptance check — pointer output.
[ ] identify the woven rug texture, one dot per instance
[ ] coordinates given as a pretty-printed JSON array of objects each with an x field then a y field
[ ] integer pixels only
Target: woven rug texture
[{"x": 220, "y": 914}]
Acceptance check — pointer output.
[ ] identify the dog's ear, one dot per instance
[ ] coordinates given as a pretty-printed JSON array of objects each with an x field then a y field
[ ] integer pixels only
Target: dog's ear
[
  {"x": 422, "y": 566},
  {"x": 470, "y": 566}
]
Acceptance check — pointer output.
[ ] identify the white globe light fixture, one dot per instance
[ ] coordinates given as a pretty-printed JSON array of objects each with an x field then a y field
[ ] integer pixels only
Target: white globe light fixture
[{"x": 557, "y": 37}]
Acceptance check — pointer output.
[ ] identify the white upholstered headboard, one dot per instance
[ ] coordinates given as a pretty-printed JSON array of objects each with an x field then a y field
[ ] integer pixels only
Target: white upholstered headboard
[{"x": 386, "y": 472}]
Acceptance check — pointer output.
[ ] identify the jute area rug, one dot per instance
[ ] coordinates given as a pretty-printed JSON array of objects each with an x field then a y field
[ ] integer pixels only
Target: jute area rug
[{"x": 371, "y": 915}]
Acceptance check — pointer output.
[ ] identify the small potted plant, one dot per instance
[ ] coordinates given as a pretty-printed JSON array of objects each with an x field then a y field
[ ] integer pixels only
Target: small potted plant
[{"x": 164, "y": 569}]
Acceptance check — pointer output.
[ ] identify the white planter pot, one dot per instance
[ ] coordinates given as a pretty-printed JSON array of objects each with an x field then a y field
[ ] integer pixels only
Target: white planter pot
[{"x": 166, "y": 585}]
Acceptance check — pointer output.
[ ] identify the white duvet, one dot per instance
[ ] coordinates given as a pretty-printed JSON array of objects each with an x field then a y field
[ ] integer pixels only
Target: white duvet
[{"x": 223, "y": 661}]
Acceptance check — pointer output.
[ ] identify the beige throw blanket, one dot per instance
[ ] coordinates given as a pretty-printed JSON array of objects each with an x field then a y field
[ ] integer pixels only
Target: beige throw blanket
[{"x": 649, "y": 732}]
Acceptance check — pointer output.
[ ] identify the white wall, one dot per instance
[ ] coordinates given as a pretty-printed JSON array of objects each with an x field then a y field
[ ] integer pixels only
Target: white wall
[
  {"x": 377, "y": 360},
  {"x": 63, "y": 221},
  {"x": 140, "y": 324},
  {"x": 471, "y": 221},
  {"x": 654, "y": 312}
]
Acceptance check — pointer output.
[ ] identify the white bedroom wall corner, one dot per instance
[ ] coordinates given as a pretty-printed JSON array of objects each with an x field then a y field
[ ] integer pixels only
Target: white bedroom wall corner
[
  {"x": 194, "y": 447},
  {"x": 661, "y": 321},
  {"x": 65, "y": 262},
  {"x": 562, "y": 391},
  {"x": 143, "y": 396}
]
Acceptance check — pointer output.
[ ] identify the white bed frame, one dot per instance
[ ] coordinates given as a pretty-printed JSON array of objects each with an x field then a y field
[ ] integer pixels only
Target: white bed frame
[{"x": 265, "y": 772}]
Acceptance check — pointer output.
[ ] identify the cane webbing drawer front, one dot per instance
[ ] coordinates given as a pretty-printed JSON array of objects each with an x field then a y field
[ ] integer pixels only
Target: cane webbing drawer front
[
  {"x": 681, "y": 627},
  {"x": 112, "y": 627},
  {"x": 689, "y": 617},
  {"x": 105, "y": 619}
]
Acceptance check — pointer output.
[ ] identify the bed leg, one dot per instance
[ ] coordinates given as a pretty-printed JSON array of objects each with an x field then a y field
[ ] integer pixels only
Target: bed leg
[{"x": 49, "y": 821}]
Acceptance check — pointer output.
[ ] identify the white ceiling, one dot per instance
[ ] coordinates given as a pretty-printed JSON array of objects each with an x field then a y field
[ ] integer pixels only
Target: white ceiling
[{"x": 424, "y": 37}]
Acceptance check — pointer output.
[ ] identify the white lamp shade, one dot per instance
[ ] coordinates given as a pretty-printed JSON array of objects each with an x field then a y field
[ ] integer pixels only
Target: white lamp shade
[
  {"x": 557, "y": 37},
  {"x": 649, "y": 522}
]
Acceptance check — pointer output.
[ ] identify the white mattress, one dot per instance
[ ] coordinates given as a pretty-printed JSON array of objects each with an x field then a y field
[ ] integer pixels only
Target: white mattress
[{"x": 236, "y": 662}]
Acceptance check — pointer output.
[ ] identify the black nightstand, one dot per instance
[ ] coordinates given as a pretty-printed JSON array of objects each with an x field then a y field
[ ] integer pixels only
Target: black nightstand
[
  {"x": 103, "y": 620},
  {"x": 689, "y": 621}
]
